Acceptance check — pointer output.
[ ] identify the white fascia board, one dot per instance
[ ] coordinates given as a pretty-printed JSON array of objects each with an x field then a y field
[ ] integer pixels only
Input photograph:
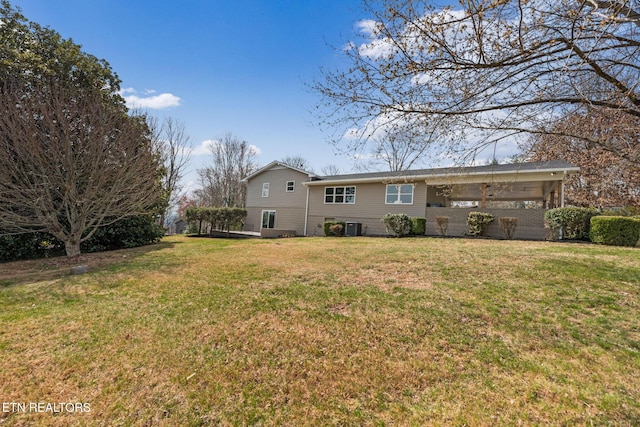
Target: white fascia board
[{"x": 439, "y": 176}]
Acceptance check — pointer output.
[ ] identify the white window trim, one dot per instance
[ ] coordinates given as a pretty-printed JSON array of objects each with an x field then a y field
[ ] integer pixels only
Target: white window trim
[
  {"x": 398, "y": 200},
  {"x": 344, "y": 202},
  {"x": 293, "y": 186},
  {"x": 265, "y": 189},
  {"x": 262, "y": 217}
]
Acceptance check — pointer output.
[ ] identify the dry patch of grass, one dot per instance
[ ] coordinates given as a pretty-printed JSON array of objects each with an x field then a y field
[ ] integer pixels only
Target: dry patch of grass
[{"x": 317, "y": 331}]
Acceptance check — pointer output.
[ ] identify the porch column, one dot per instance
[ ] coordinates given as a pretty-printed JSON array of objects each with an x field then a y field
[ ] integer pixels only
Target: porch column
[
  {"x": 552, "y": 202},
  {"x": 561, "y": 193},
  {"x": 483, "y": 202}
]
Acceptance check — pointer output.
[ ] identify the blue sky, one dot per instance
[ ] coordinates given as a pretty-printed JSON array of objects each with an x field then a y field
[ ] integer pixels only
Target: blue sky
[{"x": 218, "y": 66}]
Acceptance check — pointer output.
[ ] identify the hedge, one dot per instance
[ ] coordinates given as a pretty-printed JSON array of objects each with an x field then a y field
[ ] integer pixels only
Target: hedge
[
  {"x": 126, "y": 233},
  {"x": 418, "y": 225},
  {"x": 572, "y": 222},
  {"x": 222, "y": 218},
  {"x": 615, "y": 230}
]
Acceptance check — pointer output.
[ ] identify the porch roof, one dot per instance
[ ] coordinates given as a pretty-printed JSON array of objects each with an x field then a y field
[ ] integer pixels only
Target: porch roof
[{"x": 517, "y": 181}]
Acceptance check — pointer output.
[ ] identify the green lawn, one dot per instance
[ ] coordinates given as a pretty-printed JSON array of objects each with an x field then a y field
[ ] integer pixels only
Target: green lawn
[{"x": 326, "y": 331}]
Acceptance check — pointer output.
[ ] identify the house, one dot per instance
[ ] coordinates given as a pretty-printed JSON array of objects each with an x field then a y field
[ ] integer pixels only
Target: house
[
  {"x": 277, "y": 200},
  {"x": 285, "y": 200}
]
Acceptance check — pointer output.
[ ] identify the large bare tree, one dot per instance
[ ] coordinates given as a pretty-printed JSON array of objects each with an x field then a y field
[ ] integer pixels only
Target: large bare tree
[
  {"x": 605, "y": 180},
  {"x": 232, "y": 160},
  {"x": 490, "y": 69},
  {"x": 70, "y": 162}
]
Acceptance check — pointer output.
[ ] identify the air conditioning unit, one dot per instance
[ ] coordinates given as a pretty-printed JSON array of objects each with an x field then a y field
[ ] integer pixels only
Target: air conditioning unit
[{"x": 354, "y": 229}]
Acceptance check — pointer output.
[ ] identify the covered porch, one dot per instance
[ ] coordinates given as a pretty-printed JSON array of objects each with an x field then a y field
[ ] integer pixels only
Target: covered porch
[{"x": 521, "y": 194}]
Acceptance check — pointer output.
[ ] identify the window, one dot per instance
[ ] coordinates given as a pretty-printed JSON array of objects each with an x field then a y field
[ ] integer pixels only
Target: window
[
  {"x": 268, "y": 219},
  {"x": 340, "y": 195},
  {"x": 290, "y": 186},
  {"x": 265, "y": 189},
  {"x": 400, "y": 194}
]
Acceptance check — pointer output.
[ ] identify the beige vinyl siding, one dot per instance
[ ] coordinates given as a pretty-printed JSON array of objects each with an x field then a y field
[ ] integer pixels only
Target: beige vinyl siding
[
  {"x": 368, "y": 209},
  {"x": 289, "y": 205}
]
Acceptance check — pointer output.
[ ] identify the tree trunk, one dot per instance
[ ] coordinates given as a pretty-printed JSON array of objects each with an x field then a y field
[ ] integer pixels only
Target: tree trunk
[{"x": 72, "y": 247}]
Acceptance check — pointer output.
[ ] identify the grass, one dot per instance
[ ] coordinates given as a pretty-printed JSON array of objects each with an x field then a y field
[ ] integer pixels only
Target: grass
[{"x": 327, "y": 331}]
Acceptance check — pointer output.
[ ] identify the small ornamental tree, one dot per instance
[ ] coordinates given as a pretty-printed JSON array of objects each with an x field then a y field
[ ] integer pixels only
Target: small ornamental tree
[
  {"x": 398, "y": 224},
  {"x": 442, "y": 224},
  {"x": 508, "y": 225}
]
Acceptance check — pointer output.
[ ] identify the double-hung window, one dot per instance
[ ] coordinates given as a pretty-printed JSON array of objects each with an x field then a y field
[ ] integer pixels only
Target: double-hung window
[
  {"x": 399, "y": 194},
  {"x": 291, "y": 185},
  {"x": 265, "y": 189},
  {"x": 340, "y": 195}
]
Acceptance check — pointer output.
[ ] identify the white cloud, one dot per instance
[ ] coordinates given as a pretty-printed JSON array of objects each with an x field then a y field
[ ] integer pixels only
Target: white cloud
[
  {"x": 156, "y": 102},
  {"x": 204, "y": 147},
  {"x": 368, "y": 27}
]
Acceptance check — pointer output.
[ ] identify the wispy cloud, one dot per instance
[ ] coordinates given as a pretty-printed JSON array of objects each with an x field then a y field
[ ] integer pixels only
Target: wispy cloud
[
  {"x": 154, "y": 102},
  {"x": 204, "y": 147}
]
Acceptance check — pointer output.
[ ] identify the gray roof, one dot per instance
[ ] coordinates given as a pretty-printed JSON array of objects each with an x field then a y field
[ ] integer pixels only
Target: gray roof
[
  {"x": 546, "y": 166},
  {"x": 277, "y": 163}
]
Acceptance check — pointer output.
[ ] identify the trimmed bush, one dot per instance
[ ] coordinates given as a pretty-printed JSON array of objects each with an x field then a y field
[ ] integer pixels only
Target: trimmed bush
[
  {"x": 330, "y": 228},
  {"x": 418, "y": 225},
  {"x": 442, "y": 224},
  {"x": 398, "y": 224},
  {"x": 478, "y": 223},
  {"x": 572, "y": 222},
  {"x": 508, "y": 225},
  {"x": 615, "y": 230}
]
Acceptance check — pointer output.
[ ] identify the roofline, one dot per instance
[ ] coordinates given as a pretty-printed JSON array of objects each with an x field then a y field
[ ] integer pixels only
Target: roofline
[
  {"x": 420, "y": 177},
  {"x": 277, "y": 163}
]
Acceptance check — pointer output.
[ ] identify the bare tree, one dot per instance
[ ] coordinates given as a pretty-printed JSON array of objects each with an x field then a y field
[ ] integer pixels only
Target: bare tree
[
  {"x": 172, "y": 142},
  {"x": 70, "y": 164},
  {"x": 605, "y": 178},
  {"x": 495, "y": 68},
  {"x": 233, "y": 159},
  {"x": 400, "y": 148},
  {"x": 297, "y": 161},
  {"x": 329, "y": 170}
]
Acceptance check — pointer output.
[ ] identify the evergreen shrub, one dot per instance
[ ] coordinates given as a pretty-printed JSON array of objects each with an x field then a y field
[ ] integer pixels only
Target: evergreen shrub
[{"x": 615, "y": 230}]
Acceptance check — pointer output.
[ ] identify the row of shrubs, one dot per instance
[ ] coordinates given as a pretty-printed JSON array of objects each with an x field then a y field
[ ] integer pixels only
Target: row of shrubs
[
  {"x": 216, "y": 218},
  {"x": 126, "y": 233},
  {"x": 590, "y": 224},
  {"x": 573, "y": 223}
]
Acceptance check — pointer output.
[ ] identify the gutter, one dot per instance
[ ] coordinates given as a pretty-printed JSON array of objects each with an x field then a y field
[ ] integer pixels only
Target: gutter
[{"x": 400, "y": 178}]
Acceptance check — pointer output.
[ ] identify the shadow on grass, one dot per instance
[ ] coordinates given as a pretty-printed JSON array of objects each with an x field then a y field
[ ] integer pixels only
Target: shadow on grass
[{"x": 43, "y": 269}]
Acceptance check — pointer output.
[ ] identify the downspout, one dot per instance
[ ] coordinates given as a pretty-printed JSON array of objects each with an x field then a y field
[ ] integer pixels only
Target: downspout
[{"x": 306, "y": 211}]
